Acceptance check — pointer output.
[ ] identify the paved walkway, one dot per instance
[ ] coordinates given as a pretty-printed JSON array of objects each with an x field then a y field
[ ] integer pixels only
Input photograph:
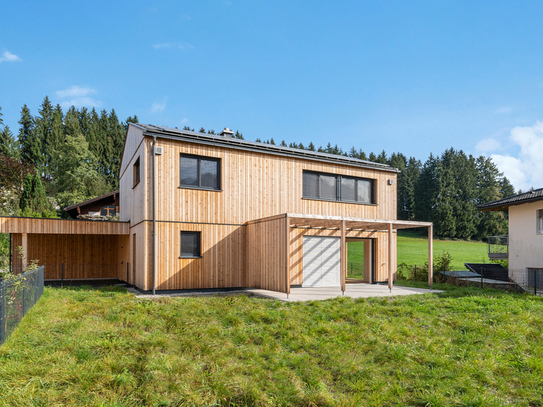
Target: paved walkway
[{"x": 307, "y": 294}]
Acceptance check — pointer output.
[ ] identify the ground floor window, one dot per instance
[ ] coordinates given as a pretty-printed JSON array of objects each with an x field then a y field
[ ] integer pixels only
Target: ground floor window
[
  {"x": 190, "y": 244},
  {"x": 535, "y": 278}
]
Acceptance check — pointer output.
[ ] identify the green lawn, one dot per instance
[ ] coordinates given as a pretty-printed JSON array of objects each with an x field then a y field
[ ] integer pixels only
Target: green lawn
[
  {"x": 467, "y": 347},
  {"x": 413, "y": 250}
]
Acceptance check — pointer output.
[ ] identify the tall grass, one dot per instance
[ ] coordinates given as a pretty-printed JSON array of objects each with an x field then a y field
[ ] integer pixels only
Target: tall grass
[{"x": 104, "y": 347}]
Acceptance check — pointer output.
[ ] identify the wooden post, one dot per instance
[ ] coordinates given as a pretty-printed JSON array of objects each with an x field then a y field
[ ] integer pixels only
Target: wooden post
[
  {"x": 24, "y": 245},
  {"x": 343, "y": 257},
  {"x": 430, "y": 255},
  {"x": 390, "y": 268},
  {"x": 287, "y": 253}
]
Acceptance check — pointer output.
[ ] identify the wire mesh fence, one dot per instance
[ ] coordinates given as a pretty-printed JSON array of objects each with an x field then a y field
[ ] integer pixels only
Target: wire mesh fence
[{"x": 17, "y": 296}]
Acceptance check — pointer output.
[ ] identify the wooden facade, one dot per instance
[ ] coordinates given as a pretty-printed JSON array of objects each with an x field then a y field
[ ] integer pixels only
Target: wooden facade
[
  {"x": 246, "y": 239},
  {"x": 85, "y": 249}
]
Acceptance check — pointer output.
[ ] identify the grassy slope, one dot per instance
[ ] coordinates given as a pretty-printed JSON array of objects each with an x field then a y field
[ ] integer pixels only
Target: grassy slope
[
  {"x": 87, "y": 347},
  {"x": 413, "y": 249}
]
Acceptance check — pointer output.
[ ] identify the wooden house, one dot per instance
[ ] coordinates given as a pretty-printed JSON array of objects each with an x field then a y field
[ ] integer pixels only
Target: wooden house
[
  {"x": 212, "y": 211},
  {"x": 200, "y": 211}
]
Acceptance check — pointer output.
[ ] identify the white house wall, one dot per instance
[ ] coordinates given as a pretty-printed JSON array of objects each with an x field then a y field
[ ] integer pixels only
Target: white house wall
[{"x": 525, "y": 245}]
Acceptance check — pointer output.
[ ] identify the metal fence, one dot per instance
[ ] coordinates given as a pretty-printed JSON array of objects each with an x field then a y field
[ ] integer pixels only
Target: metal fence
[
  {"x": 355, "y": 270},
  {"x": 17, "y": 297}
]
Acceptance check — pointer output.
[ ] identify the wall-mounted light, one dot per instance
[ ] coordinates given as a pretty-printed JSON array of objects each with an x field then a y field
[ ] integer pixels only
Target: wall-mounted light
[{"x": 390, "y": 182}]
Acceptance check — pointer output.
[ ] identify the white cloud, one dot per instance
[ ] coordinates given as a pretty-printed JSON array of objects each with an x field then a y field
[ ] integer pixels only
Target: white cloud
[
  {"x": 81, "y": 102},
  {"x": 179, "y": 45},
  {"x": 78, "y": 97},
  {"x": 158, "y": 107},
  {"x": 185, "y": 120},
  {"x": 75, "y": 91},
  {"x": 9, "y": 57},
  {"x": 526, "y": 170},
  {"x": 489, "y": 144}
]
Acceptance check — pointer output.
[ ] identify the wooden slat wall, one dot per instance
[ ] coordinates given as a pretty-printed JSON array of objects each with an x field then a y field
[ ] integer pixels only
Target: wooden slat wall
[
  {"x": 83, "y": 256},
  {"x": 266, "y": 255},
  {"x": 62, "y": 226},
  {"x": 381, "y": 250},
  {"x": 222, "y": 263},
  {"x": 254, "y": 186}
]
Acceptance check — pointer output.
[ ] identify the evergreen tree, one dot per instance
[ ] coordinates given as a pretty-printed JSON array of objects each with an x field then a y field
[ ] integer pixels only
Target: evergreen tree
[
  {"x": 117, "y": 135},
  {"x": 33, "y": 200},
  {"x": 426, "y": 191},
  {"x": 42, "y": 129},
  {"x": 258, "y": 140},
  {"x": 211, "y": 131},
  {"x": 202, "y": 130},
  {"x": 84, "y": 121},
  {"x": 382, "y": 158},
  {"x": 465, "y": 211},
  {"x": 238, "y": 135},
  {"x": 444, "y": 220},
  {"x": 272, "y": 142},
  {"x": 406, "y": 189},
  {"x": 7, "y": 143},
  {"x": 134, "y": 119},
  {"x": 29, "y": 141},
  {"x": 311, "y": 146},
  {"x": 372, "y": 157},
  {"x": 301, "y": 146},
  {"x": 283, "y": 143}
]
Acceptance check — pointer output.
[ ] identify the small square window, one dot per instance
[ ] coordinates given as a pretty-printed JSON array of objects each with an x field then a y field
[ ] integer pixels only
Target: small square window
[
  {"x": 190, "y": 244},
  {"x": 539, "y": 221},
  {"x": 137, "y": 172}
]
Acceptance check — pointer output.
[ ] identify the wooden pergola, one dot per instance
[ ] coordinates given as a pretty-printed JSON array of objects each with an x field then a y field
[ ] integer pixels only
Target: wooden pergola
[{"x": 346, "y": 224}]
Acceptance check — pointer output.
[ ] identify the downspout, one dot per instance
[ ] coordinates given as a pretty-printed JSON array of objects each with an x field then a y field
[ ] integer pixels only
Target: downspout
[{"x": 154, "y": 218}]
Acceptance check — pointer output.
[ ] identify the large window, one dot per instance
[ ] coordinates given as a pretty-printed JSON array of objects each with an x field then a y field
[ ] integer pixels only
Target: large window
[
  {"x": 332, "y": 187},
  {"x": 109, "y": 210},
  {"x": 190, "y": 244},
  {"x": 539, "y": 220},
  {"x": 199, "y": 172}
]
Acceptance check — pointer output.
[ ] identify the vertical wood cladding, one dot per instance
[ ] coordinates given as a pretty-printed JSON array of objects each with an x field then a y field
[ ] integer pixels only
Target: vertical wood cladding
[
  {"x": 83, "y": 256},
  {"x": 256, "y": 185},
  {"x": 267, "y": 255}
]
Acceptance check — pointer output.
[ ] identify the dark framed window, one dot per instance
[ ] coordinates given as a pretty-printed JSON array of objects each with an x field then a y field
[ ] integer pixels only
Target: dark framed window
[
  {"x": 190, "y": 244},
  {"x": 108, "y": 210},
  {"x": 539, "y": 220},
  {"x": 199, "y": 172},
  {"x": 334, "y": 187},
  {"x": 137, "y": 172}
]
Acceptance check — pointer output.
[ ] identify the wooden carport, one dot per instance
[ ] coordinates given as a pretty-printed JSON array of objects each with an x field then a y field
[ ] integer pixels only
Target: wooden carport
[
  {"x": 269, "y": 245},
  {"x": 87, "y": 249}
]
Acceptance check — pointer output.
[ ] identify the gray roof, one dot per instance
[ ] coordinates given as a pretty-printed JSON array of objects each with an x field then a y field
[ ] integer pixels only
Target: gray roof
[
  {"x": 530, "y": 196},
  {"x": 228, "y": 142}
]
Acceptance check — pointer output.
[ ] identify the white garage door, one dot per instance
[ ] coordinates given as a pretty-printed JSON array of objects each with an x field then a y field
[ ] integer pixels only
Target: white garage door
[{"x": 322, "y": 261}]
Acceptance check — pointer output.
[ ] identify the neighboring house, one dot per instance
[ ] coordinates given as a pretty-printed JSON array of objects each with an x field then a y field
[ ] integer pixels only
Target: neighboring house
[
  {"x": 105, "y": 205},
  {"x": 525, "y": 249},
  {"x": 200, "y": 211}
]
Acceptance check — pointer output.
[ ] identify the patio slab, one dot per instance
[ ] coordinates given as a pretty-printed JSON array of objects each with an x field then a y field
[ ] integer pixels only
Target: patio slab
[{"x": 351, "y": 290}]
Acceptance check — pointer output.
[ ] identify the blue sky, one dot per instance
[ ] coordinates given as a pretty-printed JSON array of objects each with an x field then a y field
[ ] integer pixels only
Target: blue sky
[{"x": 407, "y": 76}]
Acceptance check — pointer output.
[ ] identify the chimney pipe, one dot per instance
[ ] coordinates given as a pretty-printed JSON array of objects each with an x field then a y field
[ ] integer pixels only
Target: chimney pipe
[{"x": 227, "y": 133}]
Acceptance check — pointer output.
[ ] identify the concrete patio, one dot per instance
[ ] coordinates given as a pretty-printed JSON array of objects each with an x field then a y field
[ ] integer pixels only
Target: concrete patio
[
  {"x": 298, "y": 294},
  {"x": 352, "y": 290}
]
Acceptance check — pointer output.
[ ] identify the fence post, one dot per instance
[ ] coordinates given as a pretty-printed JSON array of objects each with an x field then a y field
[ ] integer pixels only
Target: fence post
[
  {"x": 535, "y": 281},
  {"x": 127, "y": 273},
  {"x": 415, "y": 272},
  {"x": 351, "y": 268},
  {"x": 62, "y": 275},
  {"x": 24, "y": 297},
  {"x": 2, "y": 314},
  {"x": 482, "y": 274}
]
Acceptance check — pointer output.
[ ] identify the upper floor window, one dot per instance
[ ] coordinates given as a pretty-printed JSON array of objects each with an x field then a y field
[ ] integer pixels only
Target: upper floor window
[
  {"x": 137, "y": 172},
  {"x": 539, "y": 219},
  {"x": 332, "y": 187},
  {"x": 199, "y": 172}
]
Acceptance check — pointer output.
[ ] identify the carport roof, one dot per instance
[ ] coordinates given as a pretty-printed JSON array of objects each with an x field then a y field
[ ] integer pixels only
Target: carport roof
[{"x": 320, "y": 221}]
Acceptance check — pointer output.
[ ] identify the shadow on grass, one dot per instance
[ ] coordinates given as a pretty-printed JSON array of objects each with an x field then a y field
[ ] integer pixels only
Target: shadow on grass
[{"x": 102, "y": 289}]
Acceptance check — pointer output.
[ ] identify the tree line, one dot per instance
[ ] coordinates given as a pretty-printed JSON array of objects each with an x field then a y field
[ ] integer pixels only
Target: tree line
[{"x": 61, "y": 158}]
